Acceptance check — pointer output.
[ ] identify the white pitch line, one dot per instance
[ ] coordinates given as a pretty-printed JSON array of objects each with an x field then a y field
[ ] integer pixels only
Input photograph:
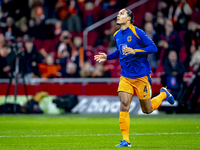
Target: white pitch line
[{"x": 172, "y": 133}]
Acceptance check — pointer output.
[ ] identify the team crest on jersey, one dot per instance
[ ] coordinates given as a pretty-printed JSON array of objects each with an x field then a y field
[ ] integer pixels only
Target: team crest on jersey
[{"x": 129, "y": 38}]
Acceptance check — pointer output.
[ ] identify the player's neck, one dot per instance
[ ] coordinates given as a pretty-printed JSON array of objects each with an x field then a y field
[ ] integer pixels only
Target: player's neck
[{"x": 124, "y": 26}]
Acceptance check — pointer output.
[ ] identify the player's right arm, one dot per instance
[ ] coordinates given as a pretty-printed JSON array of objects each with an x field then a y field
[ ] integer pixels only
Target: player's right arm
[{"x": 102, "y": 57}]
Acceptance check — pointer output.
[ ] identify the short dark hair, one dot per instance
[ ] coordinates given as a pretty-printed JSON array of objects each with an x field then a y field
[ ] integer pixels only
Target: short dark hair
[{"x": 130, "y": 14}]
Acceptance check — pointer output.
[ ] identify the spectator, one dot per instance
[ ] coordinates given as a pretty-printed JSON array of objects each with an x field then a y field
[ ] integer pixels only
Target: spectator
[
  {"x": 61, "y": 9},
  {"x": 160, "y": 14},
  {"x": 24, "y": 32},
  {"x": 172, "y": 65},
  {"x": 190, "y": 36},
  {"x": 37, "y": 9},
  {"x": 109, "y": 34},
  {"x": 71, "y": 71},
  {"x": 109, "y": 4},
  {"x": 86, "y": 70},
  {"x": 195, "y": 61},
  {"x": 150, "y": 32},
  {"x": 192, "y": 40},
  {"x": 31, "y": 29},
  {"x": 63, "y": 61},
  {"x": 100, "y": 71},
  {"x": 74, "y": 21},
  {"x": 159, "y": 23},
  {"x": 169, "y": 40},
  {"x": 49, "y": 70},
  {"x": 64, "y": 44},
  {"x": 148, "y": 17},
  {"x": 178, "y": 13},
  {"x": 64, "y": 24},
  {"x": 10, "y": 31},
  {"x": 39, "y": 29},
  {"x": 58, "y": 28},
  {"x": 78, "y": 54},
  {"x": 194, "y": 87},
  {"x": 6, "y": 9},
  {"x": 174, "y": 70},
  {"x": 88, "y": 17},
  {"x": 163, "y": 7},
  {"x": 188, "y": 58},
  {"x": 49, "y": 8},
  {"x": 30, "y": 61},
  {"x": 191, "y": 95},
  {"x": 20, "y": 11}
]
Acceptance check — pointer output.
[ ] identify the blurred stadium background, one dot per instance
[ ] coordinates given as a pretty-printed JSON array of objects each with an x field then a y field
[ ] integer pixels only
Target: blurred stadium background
[
  {"x": 49, "y": 46},
  {"x": 47, "y": 66}
]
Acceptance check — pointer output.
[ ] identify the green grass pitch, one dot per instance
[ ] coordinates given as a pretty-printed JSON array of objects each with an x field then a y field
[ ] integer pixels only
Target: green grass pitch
[{"x": 74, "y": 132}]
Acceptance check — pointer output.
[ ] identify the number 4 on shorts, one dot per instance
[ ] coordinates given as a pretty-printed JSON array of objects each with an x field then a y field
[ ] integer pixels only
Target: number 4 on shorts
[{"x": 145, "y": 89}]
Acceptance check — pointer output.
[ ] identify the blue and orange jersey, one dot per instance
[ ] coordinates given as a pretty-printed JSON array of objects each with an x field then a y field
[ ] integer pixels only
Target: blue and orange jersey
[{"x": 137, "y": 65}]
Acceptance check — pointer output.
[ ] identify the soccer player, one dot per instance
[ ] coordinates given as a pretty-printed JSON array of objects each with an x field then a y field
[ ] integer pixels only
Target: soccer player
[{"x": 133, "y": 47}]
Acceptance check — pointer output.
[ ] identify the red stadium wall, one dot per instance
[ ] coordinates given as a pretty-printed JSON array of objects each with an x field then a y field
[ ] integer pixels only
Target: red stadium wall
[{"x": 70, "y": 88}]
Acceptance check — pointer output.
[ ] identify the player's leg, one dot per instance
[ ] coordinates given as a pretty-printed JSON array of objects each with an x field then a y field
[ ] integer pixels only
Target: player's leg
[
  {"x": 125, "y": 92},
  {"x": 149, "y": 105},
  {"x": 125, "y": 99},
  {"x": 124, "y": 118},
  {"x": 146, "y": 106},
  {"x": 143, "y": 90}
]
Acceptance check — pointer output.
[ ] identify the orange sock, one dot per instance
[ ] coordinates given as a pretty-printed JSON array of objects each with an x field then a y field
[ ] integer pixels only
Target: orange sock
[
  {"x": 124, "y": 121},
  {"x": 156, "y": 101}
]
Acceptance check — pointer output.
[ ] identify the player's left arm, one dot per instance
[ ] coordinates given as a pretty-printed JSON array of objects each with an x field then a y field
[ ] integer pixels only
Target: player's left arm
[{"x": 148, "y": 45}]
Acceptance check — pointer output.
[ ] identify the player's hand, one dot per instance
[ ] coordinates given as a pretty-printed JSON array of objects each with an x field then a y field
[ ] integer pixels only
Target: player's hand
[
  {"x": 102, "y": 57},
  {"x": 128, "y": 50}
]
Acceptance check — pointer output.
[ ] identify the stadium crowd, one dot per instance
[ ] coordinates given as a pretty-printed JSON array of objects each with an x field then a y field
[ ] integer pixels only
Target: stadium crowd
[
  {"x": 50, "y": 36},
  {"x": 47, "y": 36}
]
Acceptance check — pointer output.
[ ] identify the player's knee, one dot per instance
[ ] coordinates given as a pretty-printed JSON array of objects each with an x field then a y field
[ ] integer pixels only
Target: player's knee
[
  {"x": 124, "y": 106},
  {"x": 124, "y": 103}
]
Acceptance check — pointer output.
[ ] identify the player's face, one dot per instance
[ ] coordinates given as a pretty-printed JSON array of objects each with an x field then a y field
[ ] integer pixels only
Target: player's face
[{"x": 122, "y": 17}]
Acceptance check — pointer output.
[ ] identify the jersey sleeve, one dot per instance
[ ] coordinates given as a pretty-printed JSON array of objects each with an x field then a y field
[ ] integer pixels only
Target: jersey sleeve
[
  {"x": 113, "y": 55},
  {"x": 148, "y": 45},
  {"x": 115, "y": 34}
]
